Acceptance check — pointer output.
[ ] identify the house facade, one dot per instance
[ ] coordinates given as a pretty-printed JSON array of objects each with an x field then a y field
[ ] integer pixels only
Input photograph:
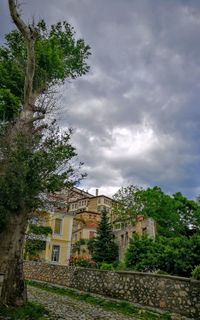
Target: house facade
[
  {"x": 124, "y": 230},
  {"x": 60, "y": 219},
  {"x": 87, "y": 215},
  {"x": 74, "y": 215}
]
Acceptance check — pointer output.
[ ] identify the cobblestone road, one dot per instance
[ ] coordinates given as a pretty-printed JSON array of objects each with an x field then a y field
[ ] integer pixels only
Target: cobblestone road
[{"x": 63, "y": 307}]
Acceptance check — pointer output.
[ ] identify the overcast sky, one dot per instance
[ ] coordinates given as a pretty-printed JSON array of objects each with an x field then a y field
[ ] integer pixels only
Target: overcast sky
[{"x": 136, "y": 115}]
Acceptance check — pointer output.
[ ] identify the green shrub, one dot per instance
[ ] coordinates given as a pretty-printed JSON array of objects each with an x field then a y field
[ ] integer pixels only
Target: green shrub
[
  {"x": 106, "y": 266},
  {"x": 196, "y": 273},
  {"x": 120, "y": 265},
  {"x": 175, "y": 256}
]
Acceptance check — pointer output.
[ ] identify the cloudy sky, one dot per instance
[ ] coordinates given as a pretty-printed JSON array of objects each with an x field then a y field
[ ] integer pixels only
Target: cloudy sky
[{"x": 136, "y": 115}]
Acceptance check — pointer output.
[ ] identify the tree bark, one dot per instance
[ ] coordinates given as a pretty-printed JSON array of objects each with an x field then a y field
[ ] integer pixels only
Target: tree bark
[
  {"x": 11, "y": 261},
  {"x": 12, "y": 238}
]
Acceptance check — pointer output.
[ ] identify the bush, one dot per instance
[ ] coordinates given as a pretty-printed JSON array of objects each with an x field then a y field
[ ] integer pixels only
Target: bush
[
  {"x": 196, "y": 273},
  {"x": 106, "y": 266},
  {"x": 175, "y": 256},
  {"x": 119, "y": 265},
  {"x": 80, "y": 261}
]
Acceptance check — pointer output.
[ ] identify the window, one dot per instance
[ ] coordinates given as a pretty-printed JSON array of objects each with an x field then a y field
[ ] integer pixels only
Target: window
[
  {"x": 58, "y": 226},
  {"x": 144, "y": 231},
  {"x": 126, "y": 238},
  {"x": 92, "y": 234},
  {"x": 55, "y": 253},
  {"x": 122, "y": 239},
  {"x": 118, "y": 226}
]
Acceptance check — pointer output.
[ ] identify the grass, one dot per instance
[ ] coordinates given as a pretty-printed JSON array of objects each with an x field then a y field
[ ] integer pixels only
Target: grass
[
  {"x": 122, "y": 307},
  {"x": 31, "y": 311}
]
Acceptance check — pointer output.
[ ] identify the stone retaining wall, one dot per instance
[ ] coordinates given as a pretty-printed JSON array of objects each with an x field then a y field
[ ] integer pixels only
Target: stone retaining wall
[{"x": 176, "y": 294}]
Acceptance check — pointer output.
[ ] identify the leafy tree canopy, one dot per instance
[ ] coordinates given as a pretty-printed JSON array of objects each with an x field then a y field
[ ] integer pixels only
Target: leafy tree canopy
[
  {"x": 58, "y": 55},
  {"x": 30, "y": 172},
  {"x": 175, "y": 215},
  {"x": 176, "y": 256}
]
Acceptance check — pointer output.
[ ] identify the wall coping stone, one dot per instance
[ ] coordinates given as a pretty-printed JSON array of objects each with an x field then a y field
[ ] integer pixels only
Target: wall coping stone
[{"x": 143, "y": 274}]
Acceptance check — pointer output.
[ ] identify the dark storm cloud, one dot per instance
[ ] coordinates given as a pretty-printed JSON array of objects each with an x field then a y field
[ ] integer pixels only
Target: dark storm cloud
[{"x": 136, "y": 114}]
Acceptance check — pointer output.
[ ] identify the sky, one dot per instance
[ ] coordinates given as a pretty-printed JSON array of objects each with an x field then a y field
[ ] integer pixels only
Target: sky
[{"x": 136, "y": 114}]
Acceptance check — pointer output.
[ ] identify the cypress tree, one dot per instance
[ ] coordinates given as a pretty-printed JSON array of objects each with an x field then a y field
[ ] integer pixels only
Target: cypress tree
[{"x": 105, "y": 249}]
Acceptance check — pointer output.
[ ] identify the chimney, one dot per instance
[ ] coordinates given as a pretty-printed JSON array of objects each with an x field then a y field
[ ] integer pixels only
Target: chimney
[{"x": 97, "y": 192}]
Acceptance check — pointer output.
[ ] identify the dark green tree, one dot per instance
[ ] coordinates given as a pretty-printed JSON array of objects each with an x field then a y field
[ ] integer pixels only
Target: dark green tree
[
  {"x": 35, "y": 156},
  {"x": 104, "y": 247}
]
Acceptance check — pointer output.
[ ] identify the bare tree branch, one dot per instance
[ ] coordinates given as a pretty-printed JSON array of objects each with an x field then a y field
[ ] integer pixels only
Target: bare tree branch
[{"x": 29, "y": 34}]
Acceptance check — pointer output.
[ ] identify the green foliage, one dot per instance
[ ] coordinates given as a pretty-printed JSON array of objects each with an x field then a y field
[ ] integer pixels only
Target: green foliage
[
  {"x": 59, "y": 56},
  {"x": 105, "y": 249},
  {"x": 175, "y": 215},
  {"x": 119, "y": 265},
  {"x": 9, "y": 105},
  {"x": 31, "y": 311},
  {"x": 39, "y": 230},
  {"x": 34, "y": 246},
  {"x": 106, "y": 266},
  {"x": 196, "y": 273},
  {"x": 176, "y": 256},
  {"x": 31, "y": 169},
  {"x": 90, "y": 245}
]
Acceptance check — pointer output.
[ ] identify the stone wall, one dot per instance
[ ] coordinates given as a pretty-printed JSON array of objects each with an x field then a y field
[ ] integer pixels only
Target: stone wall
[{"x": 176, "y": 294}]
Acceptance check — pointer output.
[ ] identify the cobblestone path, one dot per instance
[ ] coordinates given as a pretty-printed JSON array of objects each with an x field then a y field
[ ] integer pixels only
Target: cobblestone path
[{"x": 63, "y": 307}]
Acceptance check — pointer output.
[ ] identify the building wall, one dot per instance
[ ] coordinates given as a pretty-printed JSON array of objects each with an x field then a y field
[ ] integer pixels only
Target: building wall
[
  {"x": 175, "y": 294},
  {"x": 123, "y": 235},
  {"x": 63, "y": 240}
]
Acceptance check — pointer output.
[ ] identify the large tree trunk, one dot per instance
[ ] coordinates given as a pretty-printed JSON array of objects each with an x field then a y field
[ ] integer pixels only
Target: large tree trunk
[
  {"x": 12, "y": 238},
  {"x": 11, "y": 261}
]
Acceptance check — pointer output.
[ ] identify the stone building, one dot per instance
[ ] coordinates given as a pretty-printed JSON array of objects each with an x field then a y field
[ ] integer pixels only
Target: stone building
[
  {"x": 126, "y": 229},
  {"x": 87, "y": 215}
]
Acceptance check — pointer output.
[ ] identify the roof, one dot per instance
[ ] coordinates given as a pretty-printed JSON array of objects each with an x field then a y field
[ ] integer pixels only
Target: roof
[
  {"x": 93, "y": 197},
  {"x": 86, "y": 211},
  {"x": 86, "y": 226},
  {"x": 91, "y": 225}
]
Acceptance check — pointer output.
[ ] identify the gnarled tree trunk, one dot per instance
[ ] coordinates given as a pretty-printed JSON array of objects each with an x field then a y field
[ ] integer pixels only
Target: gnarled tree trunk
[
  {"x": 12, "y": 238},
  {"x": 11, "y": 261}
]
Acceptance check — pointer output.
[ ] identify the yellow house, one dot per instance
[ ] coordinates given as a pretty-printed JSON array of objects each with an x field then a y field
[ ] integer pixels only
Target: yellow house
[
  {"x": 73, "y": 215},
  {"x": 58, "y": 245}
]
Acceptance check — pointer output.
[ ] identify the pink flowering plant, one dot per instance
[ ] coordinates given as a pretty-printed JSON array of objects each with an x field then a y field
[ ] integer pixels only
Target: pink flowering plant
[{"x": 81, "y": 261}]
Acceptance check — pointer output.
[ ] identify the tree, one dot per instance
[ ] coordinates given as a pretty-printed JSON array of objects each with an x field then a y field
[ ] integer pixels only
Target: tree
[
  {"x": 35, "y": 156},
  {"x": 56, "y": 56},
  {"x": 104, "y": 247},
  {"x": 175, "y": 256},
  {"x": 175, "y": 215}
]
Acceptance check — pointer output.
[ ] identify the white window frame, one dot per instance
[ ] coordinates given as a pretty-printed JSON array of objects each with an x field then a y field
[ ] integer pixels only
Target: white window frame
[
  {"x": 61, "y": 227},
  {"x": 53, "y": 254}
]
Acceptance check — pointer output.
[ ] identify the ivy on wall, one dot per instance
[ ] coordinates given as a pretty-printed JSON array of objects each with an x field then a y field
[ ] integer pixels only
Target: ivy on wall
[{"x": 34, "y": 246}]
